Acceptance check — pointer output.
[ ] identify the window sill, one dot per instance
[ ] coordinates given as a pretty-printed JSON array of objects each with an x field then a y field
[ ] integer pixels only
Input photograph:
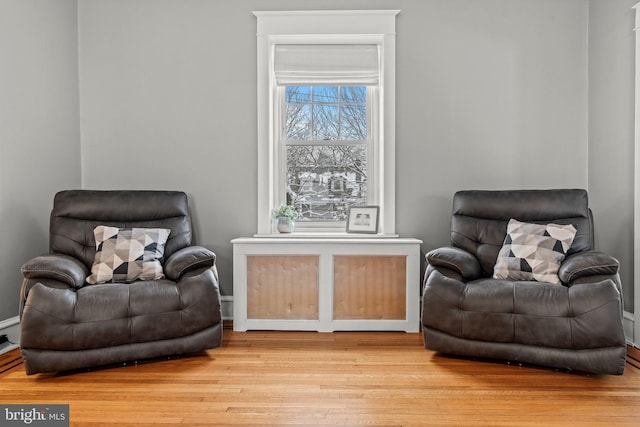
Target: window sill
[
  {"x": 315, "y": 241},
  {"x": 325, "y": 235}
]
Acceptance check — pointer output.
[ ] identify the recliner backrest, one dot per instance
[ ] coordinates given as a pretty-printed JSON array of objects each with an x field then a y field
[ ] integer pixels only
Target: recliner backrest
[
  {"x": 77, "y": 212},
  {"x": 479, "y": 218}
]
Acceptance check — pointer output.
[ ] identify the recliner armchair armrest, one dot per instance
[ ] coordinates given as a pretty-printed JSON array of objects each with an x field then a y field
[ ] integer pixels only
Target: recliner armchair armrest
[
  {"x": 186, "y": 259},
  {"x": 456, "y": 259},
  {"x": 64, "y": 268},
  {"x": 588, "y": 263}
]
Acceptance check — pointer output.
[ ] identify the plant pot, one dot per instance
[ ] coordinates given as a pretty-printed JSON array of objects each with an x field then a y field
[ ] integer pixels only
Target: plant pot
[{"x": 285, "y": 225}]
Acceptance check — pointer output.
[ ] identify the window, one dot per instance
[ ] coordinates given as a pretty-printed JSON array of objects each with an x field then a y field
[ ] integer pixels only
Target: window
[
  {"x": 326, "y": 140},
  {"x": 326, "y": 106}
]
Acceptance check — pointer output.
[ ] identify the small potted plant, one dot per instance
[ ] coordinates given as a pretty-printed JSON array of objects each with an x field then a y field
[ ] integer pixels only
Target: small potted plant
[{"x": 285, "y": 216}]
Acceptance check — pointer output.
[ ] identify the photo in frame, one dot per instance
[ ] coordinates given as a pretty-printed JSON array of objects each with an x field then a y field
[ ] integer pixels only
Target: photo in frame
[{"x": 363, "y": 219}]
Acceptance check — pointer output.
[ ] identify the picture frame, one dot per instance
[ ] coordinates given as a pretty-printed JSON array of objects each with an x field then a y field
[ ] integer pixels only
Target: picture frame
[{"x": 363, "y": 219}]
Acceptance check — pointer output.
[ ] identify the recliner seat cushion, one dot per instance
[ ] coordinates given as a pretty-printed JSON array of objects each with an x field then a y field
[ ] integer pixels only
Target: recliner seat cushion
[
  {"x": 531, "y": 313},
  {"x": 109, "y": 315}
]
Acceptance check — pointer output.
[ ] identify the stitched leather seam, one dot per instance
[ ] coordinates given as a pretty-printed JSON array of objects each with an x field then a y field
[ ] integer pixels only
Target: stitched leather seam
[
  {"x": 194, "y": 263},
  {"x": 576, "y": 272},
  {"x": 596, "y": 308},
  {"x": 448, "y": 265},
  {"x": 47, "y": 314},
  {"x": 459, "y": 307},
  {"x": 55, "y": 273},
  {"x": 574, "y": 316}
]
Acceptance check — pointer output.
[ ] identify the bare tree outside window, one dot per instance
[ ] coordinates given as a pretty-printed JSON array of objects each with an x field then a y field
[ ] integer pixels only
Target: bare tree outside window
[{"x": 326, "y": 139}]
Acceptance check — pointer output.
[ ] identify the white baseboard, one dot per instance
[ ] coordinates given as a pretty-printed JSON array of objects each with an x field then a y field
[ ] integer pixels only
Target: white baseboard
[
  {"x": 11, "y": 328},
  {"x": 227, "y": 307},
  {"x": 628, "y": 323}
]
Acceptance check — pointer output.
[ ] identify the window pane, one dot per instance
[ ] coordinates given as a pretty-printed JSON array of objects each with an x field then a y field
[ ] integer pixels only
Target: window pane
[
  {"x": 326, "y": 122},
  {"x": 326, "y": 113},
  {"x": 299, "y": 94},
  {"x": 298, "y": 125},
  {"x": 353, "y": 94},
  {"x": 324, "y": 181},
  {"x": 325, "y": 94},
  {"x": 353, "y": 122},
  {"x": 353, "y": 113},
  {"x": 298, "y": 113}
]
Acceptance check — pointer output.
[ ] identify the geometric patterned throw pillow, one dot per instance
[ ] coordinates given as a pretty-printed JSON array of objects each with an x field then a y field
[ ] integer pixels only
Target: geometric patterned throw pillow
[
  {"x": 533, "y": 251},
  {"x": 124, "y": 255}
]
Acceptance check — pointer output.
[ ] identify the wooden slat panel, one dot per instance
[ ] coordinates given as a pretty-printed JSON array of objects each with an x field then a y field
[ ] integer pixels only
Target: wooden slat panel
[
  {"x": 369, "y": 287},
  {"x": 282, "y": 287}
]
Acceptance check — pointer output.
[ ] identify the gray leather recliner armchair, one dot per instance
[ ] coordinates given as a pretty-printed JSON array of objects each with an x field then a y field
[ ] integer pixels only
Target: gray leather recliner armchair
[
  {"x": 575, "y": 325},
  {"x": 67, "y": 323}
]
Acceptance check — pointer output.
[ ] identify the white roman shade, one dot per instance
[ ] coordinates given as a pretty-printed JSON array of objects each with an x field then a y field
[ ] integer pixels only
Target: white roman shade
[{"x": 309, "y": 64}]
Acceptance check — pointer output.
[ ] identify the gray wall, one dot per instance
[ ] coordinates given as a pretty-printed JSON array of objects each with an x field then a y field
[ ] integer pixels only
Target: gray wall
[
  {"x": 611, "y": 130},
  {"x": 39, "y": 129},
  {"x": 491, "y": 94}
]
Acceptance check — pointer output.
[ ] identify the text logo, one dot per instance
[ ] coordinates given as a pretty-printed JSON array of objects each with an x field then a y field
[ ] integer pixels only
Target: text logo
[{"x": 34, "y": 415}]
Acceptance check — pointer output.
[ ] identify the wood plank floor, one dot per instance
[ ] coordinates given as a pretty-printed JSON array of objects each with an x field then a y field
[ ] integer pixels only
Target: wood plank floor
[{"x": 336, "y": 379}]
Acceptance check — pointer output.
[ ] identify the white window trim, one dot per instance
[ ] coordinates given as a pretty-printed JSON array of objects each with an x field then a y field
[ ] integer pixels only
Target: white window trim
[{"x": 340, "y": 27}]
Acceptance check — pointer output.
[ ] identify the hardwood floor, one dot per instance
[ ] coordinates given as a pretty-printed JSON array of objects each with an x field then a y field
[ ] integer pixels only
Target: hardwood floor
[{"x": 315, "y": 379}]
